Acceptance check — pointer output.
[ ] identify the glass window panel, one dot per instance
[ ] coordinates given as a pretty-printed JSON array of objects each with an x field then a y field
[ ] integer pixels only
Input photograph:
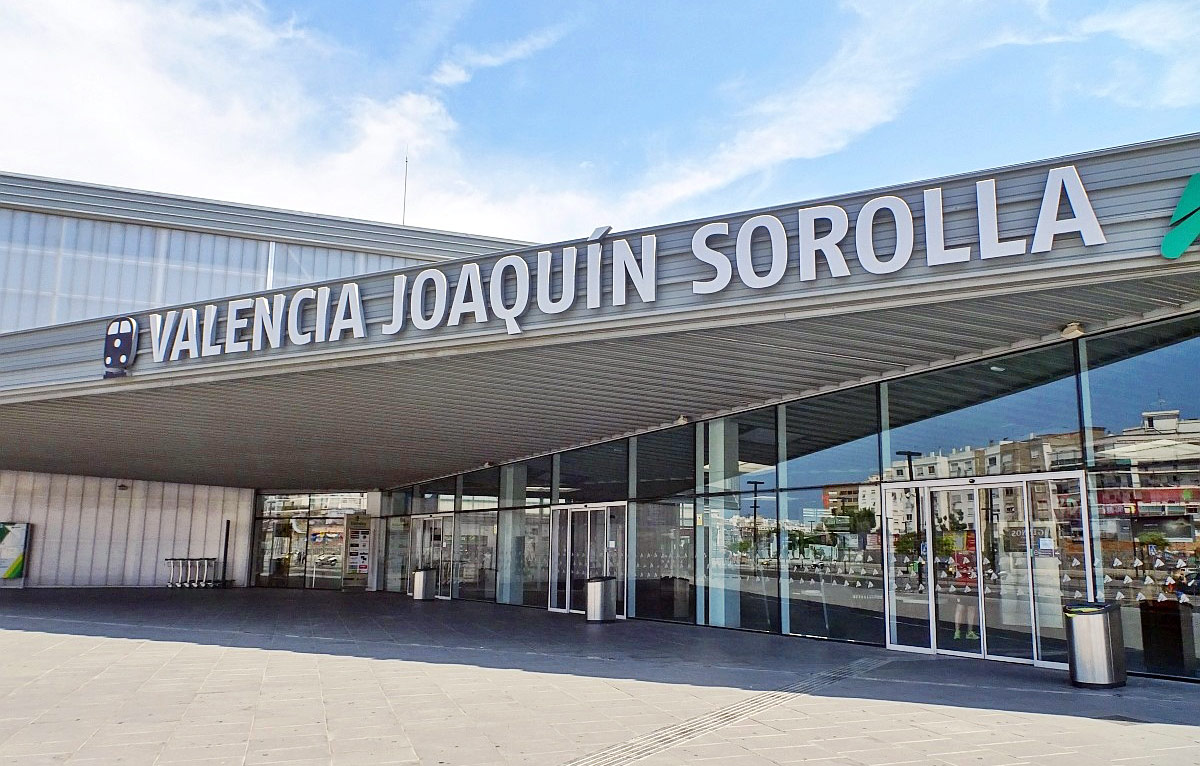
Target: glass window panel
[
  {"x": 1144, "y": 501},
  {"x": 832, "y": 439},
  {"x": 527, "y": 483},
  {"x": 662, "y": 559},
  {"x": 738, "y": 552},
  {"x": 475, "y": 556},
  {"x": 282, "y": 549},
  {"x": 666, "y": 462},
  {"x": 833, "y": 551},
  {"x": 398, "y": 564},
  {"x": 1013, "y": 414},
  {"x": 283, "y": 505},
  {"x": 398, "y": 502},
  {"x": 741, "y": 452},
  {"x": 481, "y": 489},
  {"x": 337, "y": 503},
  {"x": 437, "y": 496},
  {"x": 594, "y": 474},
  {"x": 523, "y": 552}
]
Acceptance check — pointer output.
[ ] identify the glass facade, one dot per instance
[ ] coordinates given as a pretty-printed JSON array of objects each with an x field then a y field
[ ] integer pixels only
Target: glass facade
[
  {"x": 56, "y": 269},
  {"x": 955, "y": 510},
  {"x": 300, "y": 539},
  {"x": 1143, "y": 416}
]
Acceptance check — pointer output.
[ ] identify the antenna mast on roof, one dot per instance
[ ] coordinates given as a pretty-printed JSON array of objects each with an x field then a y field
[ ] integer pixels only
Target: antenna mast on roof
[{"x": 404, "y": 198}]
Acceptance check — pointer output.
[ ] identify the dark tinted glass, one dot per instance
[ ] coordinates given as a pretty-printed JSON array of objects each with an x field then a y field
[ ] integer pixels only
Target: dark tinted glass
[
  {"x": 398, "y": 502},
  {"x": 1013, "y": 414},
  {"x": 594, "y": 474},
  {"x": 664, "y": 559},
  {"x": 438, "y": 495},
  {"x": 832, "y": 439},
  {"x": 481, "y": 489},
  {"x": 666, "y": 462},
  {"x": 740, "y": 452},
  {"x": 527, "y": 483},
  {"x": 738, "y": 545}
]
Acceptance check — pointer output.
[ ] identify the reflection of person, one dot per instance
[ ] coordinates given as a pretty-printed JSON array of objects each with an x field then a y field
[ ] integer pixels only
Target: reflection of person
[{"x": 966, "y": 605}]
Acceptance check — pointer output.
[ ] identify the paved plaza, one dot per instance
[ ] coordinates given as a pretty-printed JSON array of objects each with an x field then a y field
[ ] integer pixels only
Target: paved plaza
[{"x": 278, "y": 677}]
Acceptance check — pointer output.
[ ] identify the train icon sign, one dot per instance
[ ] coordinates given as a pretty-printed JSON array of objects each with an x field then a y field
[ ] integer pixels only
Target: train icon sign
[{"x": 120, "y": 346}]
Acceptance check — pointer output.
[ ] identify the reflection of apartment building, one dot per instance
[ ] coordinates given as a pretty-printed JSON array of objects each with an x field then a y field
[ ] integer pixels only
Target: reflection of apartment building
[
  {"x": 1040, "y": 452},
  {"x": 1149, "y": 470},
  {"x": 1152, "y": 469}
]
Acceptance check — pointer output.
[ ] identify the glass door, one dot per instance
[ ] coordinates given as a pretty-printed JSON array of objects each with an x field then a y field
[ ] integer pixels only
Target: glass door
[
  {"x": 444, "y": 555},
  {"x": 432, "y": 545},
  {"x": 326, "y": 549},
  {"x": 586, "y": 541},
  {"x": 581, "y": 568},
  {"x": 1059, "y": 559},
  {"x": 954, "y": 521},
  {"x": 1001, "y": 556},
  {"x": 560, "y": 550},
  {"x": 1007, "y": 587}
]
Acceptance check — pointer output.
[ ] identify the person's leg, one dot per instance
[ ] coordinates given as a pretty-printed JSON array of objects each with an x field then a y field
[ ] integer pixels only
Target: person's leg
[
  {"x": 959, "y": 617},
  {"x": 972, "y": 618}
]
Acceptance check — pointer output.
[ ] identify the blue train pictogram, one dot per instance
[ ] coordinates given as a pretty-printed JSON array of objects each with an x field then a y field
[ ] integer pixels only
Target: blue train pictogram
[{"x": 120, "y": 346}]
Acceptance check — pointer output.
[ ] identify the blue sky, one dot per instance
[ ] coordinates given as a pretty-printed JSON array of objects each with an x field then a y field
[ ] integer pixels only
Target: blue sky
[{"x": 542, "y": 120}]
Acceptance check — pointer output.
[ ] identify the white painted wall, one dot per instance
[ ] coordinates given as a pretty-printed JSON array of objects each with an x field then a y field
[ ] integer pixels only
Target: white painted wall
[{"x": 88, "y": 532}]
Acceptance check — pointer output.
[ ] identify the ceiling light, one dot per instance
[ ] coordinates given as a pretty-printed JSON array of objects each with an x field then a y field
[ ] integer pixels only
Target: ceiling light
[{"x": 1072, "y": 330}]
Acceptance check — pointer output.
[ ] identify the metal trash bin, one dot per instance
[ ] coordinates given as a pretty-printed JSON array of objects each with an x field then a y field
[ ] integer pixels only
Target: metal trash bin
[
  {"x": 423, "y": 584},
  {"x": 1095, "y": 644},
  {"x": 601, "y": 599}
]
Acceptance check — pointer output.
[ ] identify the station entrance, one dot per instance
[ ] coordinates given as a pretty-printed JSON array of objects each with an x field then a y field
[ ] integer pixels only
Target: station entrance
[
  {"x": 982, "y": 566},
  {"x": 587, "y": 541},
  {"x": 432, "y": 548}
]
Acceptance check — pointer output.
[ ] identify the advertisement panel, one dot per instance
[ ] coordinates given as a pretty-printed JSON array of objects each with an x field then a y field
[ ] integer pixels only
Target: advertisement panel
[{"x": 14, "y": 539}]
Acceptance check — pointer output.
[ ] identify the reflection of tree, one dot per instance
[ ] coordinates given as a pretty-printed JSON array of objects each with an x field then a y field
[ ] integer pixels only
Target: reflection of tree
[
  {"x": 906, "y": 544},
  {"x": 862, "y": 520},
  {"x": 739, "y": 547},
  {"x": 1153, "y": 538},
  {"x": 798, "y": 540}
]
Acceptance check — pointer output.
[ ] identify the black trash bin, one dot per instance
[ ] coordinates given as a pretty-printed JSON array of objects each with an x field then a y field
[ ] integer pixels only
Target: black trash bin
[{"x": 1168, "y": 639}]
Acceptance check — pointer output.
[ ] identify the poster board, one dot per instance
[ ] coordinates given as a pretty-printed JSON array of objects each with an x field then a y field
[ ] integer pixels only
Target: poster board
[{"x": 14, "y": 546}]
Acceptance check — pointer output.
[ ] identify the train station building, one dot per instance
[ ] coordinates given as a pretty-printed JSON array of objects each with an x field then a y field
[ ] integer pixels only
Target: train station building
[{"x": 925, "y": 416}]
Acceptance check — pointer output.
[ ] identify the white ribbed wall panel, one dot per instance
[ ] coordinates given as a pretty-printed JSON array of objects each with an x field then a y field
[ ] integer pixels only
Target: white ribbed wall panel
[{"x": 88, "y": 532}]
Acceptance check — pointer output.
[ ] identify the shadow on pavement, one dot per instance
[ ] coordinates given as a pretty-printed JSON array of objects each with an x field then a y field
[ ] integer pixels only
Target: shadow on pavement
[{"x": 391, "y": 626}]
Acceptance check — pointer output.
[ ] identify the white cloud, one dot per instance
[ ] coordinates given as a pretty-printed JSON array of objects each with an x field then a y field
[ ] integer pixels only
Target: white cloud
[
  {"x": 460, "y": 67},
  {"x": 1167, "y": 31},
  {"x": 221, "y": 101},
  {"x": 869, "y": 80}
]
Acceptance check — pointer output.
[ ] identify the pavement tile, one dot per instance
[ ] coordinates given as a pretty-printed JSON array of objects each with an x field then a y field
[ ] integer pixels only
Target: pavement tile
[{"x": 520, "y": 686}]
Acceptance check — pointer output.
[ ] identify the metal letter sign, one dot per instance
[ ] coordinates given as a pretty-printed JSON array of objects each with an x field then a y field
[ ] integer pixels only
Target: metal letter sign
[{"x": 120, "y": 346}]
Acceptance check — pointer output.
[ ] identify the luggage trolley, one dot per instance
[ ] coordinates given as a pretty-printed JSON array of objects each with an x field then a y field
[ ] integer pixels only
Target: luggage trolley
[{"x": 192, "y": 572}]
